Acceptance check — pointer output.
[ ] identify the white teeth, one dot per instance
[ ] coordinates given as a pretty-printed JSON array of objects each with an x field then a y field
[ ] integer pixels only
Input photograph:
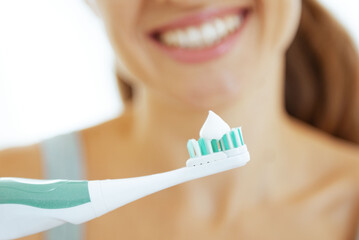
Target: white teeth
[
  {"x": 194, "y": 36},
  {"x": 220, "y": 27},
  {"x": 209, "y": 34},
  {"x": 169, "y": 38},
  {"x": 231, "y": 23},
  {"x": 204, "y": 35},
  {"x": 182, "y": 38}
]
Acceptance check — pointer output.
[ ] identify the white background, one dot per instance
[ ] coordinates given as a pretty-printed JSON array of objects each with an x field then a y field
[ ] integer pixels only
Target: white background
[{"x": 56, "y": 67}]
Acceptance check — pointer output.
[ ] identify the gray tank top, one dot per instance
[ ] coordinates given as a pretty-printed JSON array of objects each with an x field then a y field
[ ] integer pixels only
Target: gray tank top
[{"x": 63, "y": 159}]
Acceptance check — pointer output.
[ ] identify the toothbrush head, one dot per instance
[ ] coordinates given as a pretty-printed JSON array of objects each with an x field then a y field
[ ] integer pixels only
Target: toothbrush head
[{"x": 207, "y": 151}]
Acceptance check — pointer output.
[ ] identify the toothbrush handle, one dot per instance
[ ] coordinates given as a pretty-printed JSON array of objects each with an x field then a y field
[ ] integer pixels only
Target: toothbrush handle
[
  {"x": 28, "y": 206},
  {"x": 107, "y": 195}
]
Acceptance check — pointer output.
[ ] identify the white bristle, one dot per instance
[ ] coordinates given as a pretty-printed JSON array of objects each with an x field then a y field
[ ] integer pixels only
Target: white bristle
[
  {"x": 208, "y": 146},
  {"x": 196, "y": 147},
  {"x": 230, "y": 143},
  {"x": 240, "y": 129},
  {"x": 236, "y": 134},
  {"x": 221, "y": 145}
]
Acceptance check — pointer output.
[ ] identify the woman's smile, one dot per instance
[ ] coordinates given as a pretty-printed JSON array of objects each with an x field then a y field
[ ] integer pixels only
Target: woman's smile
[{"x": 202, "y": 36}]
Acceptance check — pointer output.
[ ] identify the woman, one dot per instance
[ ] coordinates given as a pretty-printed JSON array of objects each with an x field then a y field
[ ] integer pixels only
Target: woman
[{"x": 179, "y": 58}]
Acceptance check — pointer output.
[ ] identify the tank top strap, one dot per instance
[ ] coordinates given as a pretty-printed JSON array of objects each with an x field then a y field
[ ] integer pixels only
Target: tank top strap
[{"x": 63, "y": 159}]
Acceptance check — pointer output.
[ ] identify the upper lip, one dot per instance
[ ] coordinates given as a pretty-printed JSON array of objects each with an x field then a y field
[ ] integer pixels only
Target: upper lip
[{"x": 196, "y": 19}]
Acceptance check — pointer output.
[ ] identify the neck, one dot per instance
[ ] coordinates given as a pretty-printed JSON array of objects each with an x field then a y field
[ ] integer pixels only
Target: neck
[{"x": 165, "y": 125}]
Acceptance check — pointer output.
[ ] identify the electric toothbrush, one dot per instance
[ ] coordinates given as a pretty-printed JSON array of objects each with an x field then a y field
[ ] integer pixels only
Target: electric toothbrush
[{"x": 29, "y": 206}]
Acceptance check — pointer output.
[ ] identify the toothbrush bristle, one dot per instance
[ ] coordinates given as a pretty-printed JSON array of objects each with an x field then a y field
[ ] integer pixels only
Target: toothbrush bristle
[
  {"x": 214, "y": 144},
  {"x": 240, "y": 135},
  {"x": 203, "y": 147},
  {"x": 208, "y": 146},
  {"x": 233, "y": 138},
  {"x": 191, "y": 148},
  {"x": 230, "y": 142},
  {"x": 225, "y": 142},
  {"x": 236, "y": 135}
]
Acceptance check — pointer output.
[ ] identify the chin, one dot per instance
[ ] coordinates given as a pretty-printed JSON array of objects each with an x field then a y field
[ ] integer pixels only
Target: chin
[{"x": 204, "y": 99}]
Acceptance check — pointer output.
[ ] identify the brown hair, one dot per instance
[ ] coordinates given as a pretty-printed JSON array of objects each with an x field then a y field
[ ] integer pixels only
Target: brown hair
[{"x": 322, "y": 75}]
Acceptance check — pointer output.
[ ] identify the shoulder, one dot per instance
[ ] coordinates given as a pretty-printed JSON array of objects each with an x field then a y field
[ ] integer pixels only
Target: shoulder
[
  {"x": 319, "y": 173},
  {"x": 341, "y": 155},
  {"x": 103, "y": 139},
  {"x": 107, "y": 147},
  {"x": 323, "y": 148},
  {"x": 324, "y": 160},
  {"x": 117, "y": 129},
  {"x": 23, "y": 161},
  {"x": 336, "y": 186}
]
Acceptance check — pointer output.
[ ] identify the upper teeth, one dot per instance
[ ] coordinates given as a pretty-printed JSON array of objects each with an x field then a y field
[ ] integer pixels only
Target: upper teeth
[{"x": 204, "y": 35}]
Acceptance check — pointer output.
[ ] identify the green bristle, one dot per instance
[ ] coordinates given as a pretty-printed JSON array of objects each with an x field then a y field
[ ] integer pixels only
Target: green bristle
[
  {"x": 202, "y": 145},
  {"x": 214, "y": 144},
  {"x": 240, "y": 135},
  {"x": 234, "y": 141},
  {"x": 225, "y": 142},
  {"x": 190, "y": 149}
]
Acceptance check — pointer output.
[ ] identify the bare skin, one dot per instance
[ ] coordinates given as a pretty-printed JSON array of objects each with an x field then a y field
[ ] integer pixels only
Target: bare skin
[{"x": 300, "y": 184}]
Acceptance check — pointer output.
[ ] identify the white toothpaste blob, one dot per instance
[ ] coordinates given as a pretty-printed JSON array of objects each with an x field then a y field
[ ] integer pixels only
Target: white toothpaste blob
[{"x": 214, "y": 127}]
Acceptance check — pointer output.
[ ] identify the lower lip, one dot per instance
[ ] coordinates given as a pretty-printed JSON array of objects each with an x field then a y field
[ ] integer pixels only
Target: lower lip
[{"x": 203, "y": 54}]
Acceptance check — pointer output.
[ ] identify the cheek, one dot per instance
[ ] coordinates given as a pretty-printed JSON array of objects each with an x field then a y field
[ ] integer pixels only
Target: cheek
[
  {"x": 121, "y": 21},
  {"x": 279, "y": 20}
]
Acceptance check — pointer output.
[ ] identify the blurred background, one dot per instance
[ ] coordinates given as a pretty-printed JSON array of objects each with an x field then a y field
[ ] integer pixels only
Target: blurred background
[{"x": 57, "y": 71}]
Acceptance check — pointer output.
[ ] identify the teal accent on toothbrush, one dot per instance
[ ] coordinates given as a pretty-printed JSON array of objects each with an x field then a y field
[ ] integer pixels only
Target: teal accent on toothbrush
[
  {"x": 61, "y": 194},
  {"x": 225, "y": 142},
  {"x": 202, "y": 145},
  {"x": 214, "y": 144}
]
